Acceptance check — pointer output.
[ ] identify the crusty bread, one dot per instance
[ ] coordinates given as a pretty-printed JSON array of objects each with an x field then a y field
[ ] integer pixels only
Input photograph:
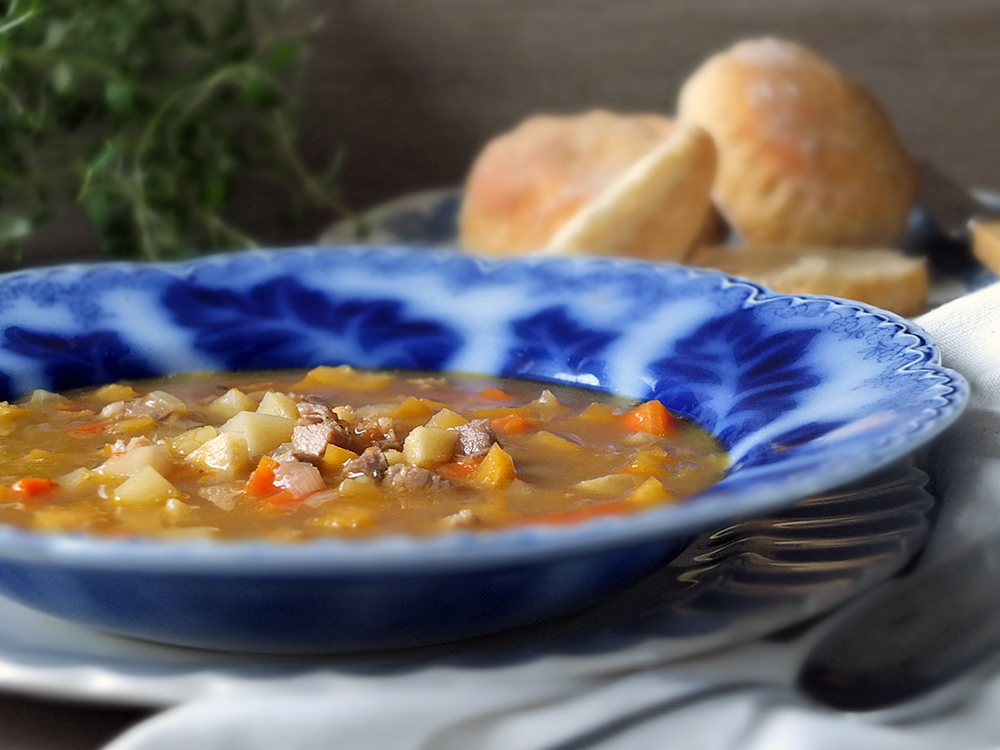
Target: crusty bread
[
  {"x": 986, "y": 243},
  {"x": 883, "y": 278},
  {"x": 656, "y": 210},
  {"x": 806, "y": 155},
  {"x": 528, "y": 183}
]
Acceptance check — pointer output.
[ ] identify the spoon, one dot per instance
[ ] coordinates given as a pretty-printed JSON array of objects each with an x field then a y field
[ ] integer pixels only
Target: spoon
[{"x": 911, "y": 636}]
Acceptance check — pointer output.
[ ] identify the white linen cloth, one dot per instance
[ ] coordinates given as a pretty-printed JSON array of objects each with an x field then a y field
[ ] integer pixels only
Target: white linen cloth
[{"x": 735, "y": 699}]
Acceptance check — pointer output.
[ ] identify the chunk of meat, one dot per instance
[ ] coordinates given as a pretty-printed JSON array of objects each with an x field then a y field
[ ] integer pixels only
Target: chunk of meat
[
  {"x": 410, "y": 478},
  {"x": 378, "y": 430},
  {"x": 298, "y": 477},
  {"x": 314, "y": 411},
  {"x": 313, "y": 438},
  {"x": 371, "y": 463},
  {"x": 475, "y": 438}
]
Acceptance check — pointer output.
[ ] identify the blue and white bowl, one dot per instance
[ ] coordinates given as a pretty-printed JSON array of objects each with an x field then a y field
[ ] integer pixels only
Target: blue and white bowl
[{"x": 806, "y": 393}]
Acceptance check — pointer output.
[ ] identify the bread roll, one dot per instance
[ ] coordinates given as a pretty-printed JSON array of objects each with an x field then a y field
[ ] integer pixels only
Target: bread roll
[
  {"x": 528, "y": 183},
  {"x": 806, "y": 155},
  {"x": 883, "y": 278},
  {"x": 656, "y": 210}
]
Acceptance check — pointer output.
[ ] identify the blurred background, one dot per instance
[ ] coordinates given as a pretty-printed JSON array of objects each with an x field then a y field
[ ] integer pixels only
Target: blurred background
[{"x": 403, "y": 94}]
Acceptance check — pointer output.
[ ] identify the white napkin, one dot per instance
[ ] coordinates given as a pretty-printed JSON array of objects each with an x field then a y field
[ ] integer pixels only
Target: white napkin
[{"x": 734, "y": 700}]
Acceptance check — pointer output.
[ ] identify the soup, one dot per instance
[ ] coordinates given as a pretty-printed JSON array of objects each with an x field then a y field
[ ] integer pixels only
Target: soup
[{"x": 340, "y": 452}]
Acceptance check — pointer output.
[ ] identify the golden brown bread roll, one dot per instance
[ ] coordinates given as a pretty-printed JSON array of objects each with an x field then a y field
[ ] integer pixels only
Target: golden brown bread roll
[
  {"x": 656, "y": 210},
  {"x": 884, "y": 278},
  {"x": 806, "y": 155},
  {"x": 528, "y": 183}
]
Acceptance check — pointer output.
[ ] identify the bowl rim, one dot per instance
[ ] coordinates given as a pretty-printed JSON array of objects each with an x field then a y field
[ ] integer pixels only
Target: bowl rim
[{"x": 458, "y": 551}]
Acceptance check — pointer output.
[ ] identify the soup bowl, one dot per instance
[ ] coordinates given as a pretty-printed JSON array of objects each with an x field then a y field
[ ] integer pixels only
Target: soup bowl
[{"x": 805, "y": 393}]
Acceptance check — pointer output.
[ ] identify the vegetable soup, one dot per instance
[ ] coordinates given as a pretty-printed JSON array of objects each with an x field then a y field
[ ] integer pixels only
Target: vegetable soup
[{"x": 339, "y": 452}]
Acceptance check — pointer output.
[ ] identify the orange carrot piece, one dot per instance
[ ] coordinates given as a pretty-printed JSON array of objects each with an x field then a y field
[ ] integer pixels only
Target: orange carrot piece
[
  {"x": 651, "y": 417},
  {"x": 283, "y": 498},
  {"x": 512, "y": 424},
  {"x": 88, "y": 429},
  {"x": 261, "y": 480},
  {"x": 33, "y": 486},
  {"x": 458, "y": 469},
  {"x": 567, "y": 517},
  {"x": 494, "y": 394}
]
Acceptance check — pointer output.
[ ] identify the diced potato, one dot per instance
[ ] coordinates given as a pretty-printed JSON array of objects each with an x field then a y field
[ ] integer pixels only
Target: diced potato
[
  {"x": 600, "y": 412},
  {"x": 347, "y": 377},
  {"x": 608, "y": 486},
  {"x": 164, "y": 403},
  {"x": 155, "y": 456},
  {"x": 78, "y": 478},
  {"x": 279, "y": 405},
  {"x": 115, "y": 392},
  {"x": 547, "y": 405},
  {"x": 412, "y": 408},
  {"x": 393, "y": 457},
  {"x": 428, "y": 447},
  {"x": 334, "y": 457},
  {"x": 226, "y": 453},
  {"x": 39, "y": 455},
  {"x": 41, "y": 396},
  {"x": 175, "y": 510},
  {"x": 134, "y": 425},
  {"x": 191, "y": 440},
  {"x": 146, "y": 486},
  {"x": 446, "y": 419},
  {"x": 545, "y": 440},
  {"x": 263, "y": 432},
  {"x": 231, "y": 403},
  {"x": 347, "y": 517},
  {"x": 650, "y": 492},
  {"x": 648, "y": 461},
  {"x": 360, "y": 490},
  {"x": 496, "y": 469}
]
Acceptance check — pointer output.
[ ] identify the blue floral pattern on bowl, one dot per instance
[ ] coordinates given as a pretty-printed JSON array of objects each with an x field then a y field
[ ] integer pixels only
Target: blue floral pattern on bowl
[{"x": 806, "y": 393}]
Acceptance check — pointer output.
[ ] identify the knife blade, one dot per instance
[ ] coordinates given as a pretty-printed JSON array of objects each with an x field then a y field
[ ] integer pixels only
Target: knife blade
[{"x": 913, "y": 636}]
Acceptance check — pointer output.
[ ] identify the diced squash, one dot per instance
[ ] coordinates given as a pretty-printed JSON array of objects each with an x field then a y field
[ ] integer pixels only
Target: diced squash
[
  {"x": 608, "y": 486},
  {"x": 347, "y": 377},
  {"x": 649, "y": 461},
  {"x": 545, "y": 440},
  {"x": 511, "y": 424},
  {"x": 155, "y": 456},
  {"x": 226, "y": 453},
  {"x": 360, "y": 490},
  {"x": 115, "y": 392},
  {"x": 133, "y": 425},
  {"x": 191, "y": 440},
  {"x": 262, "y": 432},
  {"x": 334, "y": 457},
  {"x": 650, "y": 492},
  {"x": 347, "y": 517},
  {"x": 446, "y": 419},
  {"x": 412, "y": 408},
  {"x": 428, "y": 447},
  {"x": 279, "y": 405},
  {"x": 10, "y": 411},
  {"x": 496, "y": 469},
  {"x": 146, "y": 486},
  {"x": 231, "y": 403}
]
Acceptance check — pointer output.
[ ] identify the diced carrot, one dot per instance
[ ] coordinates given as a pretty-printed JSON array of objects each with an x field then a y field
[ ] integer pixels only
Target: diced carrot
[
  {"x": 283, "y": 498},
  {"x": 567, "y": 517},
  {"x": 494, "y": 394},
  {"x": 512, "y": 424},
  {"x": 458, "y": 469},
  {"x": 88, "y": 429},
  {"x": 651, "y": 417},
  {"x": 261, "y": 480},
  {"x": 33, "y": 486}
]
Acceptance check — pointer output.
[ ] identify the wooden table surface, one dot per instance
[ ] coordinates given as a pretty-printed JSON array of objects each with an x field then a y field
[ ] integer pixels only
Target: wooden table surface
[{"x": 413, "y": 88}]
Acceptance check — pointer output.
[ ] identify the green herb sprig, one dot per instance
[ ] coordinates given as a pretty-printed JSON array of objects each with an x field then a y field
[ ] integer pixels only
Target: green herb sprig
[{"x": 150, "y": 113}]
